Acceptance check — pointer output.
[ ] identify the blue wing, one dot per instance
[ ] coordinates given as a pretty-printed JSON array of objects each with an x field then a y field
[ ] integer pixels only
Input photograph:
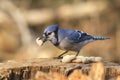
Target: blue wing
[
  {"x": 79, "y": 36},
  {"x": 62, "y": 33}
]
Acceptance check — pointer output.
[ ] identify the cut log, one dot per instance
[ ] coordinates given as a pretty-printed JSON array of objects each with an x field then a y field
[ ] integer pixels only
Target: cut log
[{"x": 27, "y": 69}]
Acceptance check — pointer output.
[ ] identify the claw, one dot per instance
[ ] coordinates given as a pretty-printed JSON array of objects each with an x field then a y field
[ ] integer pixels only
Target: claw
[{"x": 58, "y": 57}]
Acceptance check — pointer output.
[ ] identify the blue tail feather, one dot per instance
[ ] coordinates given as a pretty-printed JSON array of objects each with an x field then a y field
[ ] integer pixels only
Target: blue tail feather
[{"x": 100, "y": 38}]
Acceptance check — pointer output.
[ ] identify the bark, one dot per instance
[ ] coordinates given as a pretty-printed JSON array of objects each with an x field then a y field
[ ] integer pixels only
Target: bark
[{"x": 27, "y": 69}]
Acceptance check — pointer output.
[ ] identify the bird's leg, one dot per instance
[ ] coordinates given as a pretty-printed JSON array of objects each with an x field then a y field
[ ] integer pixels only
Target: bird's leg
[
  {"x": 77, "y": 53},
  {"x": 60, "y": 56}
]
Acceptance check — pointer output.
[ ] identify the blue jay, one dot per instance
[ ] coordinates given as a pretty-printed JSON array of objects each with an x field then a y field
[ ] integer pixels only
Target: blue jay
[{"x": 67, "y": 40}]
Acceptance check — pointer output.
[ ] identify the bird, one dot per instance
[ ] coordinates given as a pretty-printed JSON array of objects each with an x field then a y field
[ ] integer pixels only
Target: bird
[{"x": 67, "y": 39}]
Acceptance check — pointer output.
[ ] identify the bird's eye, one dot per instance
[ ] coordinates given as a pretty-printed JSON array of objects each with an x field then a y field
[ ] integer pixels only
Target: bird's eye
[{"x": 49, "y": 33}]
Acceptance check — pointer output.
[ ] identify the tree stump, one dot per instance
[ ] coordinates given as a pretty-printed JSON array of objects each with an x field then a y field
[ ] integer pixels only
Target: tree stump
[{"x": 27, "y": 69}]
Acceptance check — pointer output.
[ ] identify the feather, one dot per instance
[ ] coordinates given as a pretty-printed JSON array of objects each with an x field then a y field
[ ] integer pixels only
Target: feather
[{"x": 79, "y": 36}]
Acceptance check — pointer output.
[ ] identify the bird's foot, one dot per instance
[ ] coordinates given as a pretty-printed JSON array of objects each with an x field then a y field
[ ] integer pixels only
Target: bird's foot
[{"x": 58, "y": 57}]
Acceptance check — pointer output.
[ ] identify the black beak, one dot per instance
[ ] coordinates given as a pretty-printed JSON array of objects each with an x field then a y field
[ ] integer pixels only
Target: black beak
[{"x": 43, "y": 38}]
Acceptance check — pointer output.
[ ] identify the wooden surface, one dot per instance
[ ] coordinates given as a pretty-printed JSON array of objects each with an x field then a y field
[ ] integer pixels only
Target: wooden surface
[{"x": 26, "y": 69}]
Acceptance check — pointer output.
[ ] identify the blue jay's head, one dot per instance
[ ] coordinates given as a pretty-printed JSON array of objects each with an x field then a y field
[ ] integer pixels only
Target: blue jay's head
[{"x": 50, "y": 33}]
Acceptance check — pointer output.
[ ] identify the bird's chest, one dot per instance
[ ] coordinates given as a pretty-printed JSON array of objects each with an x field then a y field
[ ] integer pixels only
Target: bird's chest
[{"x": 66, "y": 45}]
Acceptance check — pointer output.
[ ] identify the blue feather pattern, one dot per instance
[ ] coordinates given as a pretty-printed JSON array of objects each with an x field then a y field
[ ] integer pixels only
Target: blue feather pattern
[{"x": 79, "y": 36}]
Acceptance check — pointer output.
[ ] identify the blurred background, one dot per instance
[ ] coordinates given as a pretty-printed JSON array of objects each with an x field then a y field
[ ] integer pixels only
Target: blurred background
[{"x": 22, "y": 21}]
